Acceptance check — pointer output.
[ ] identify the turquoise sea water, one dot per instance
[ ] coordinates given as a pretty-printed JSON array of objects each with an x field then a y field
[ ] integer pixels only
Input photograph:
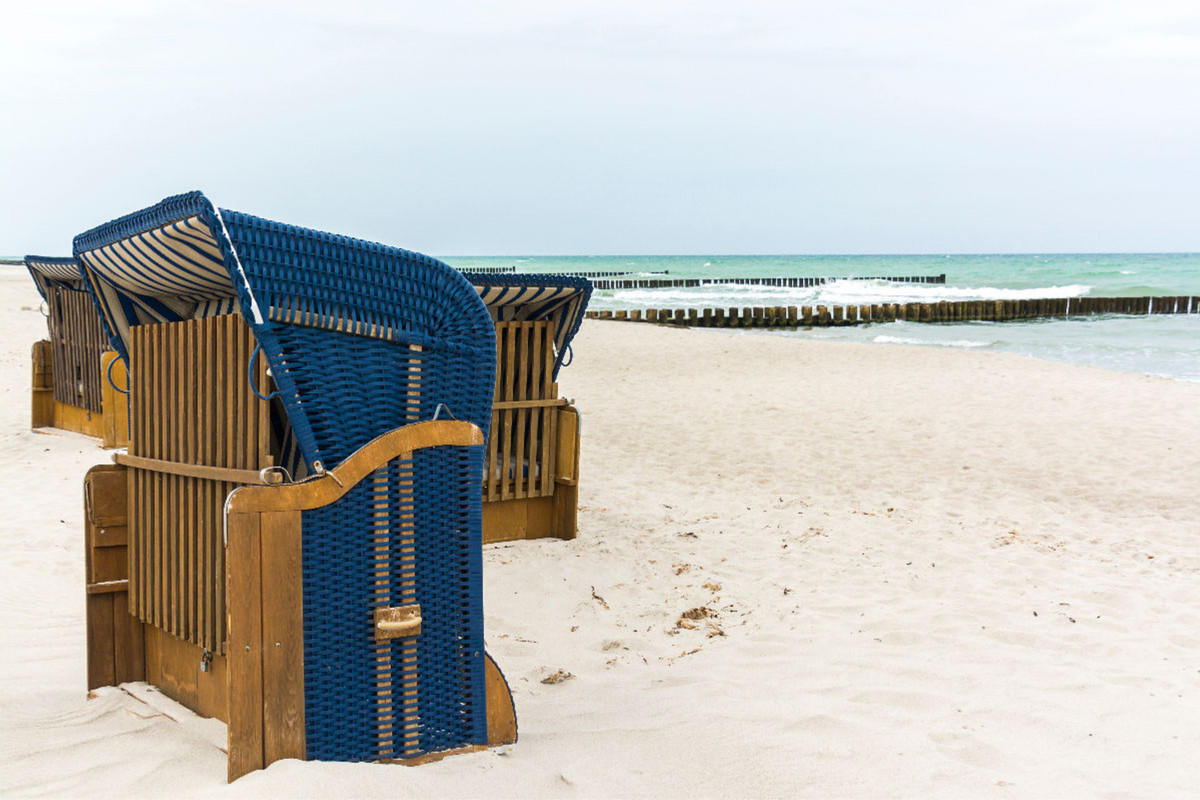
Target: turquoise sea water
[{"x": 1167, "y": 346}]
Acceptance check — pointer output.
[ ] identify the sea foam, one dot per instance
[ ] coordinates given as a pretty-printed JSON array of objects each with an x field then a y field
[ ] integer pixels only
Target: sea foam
[
  {"x": 838, "y": 292},
  {"x": 910, "y": 340}
]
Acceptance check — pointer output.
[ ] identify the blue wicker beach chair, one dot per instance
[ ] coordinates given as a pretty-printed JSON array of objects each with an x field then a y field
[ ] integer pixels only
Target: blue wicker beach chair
[{"x": 337, "y": 613}]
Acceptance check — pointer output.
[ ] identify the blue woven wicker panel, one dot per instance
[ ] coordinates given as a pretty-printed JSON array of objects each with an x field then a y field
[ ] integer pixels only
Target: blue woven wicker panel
[
  {"x": 307, "y": 283},
  {"x": 360, "y": 702},
  {"x": 354, "y": 388},
  {"x": 343, "y": 666},
  {"x": 449, "y": 549}
]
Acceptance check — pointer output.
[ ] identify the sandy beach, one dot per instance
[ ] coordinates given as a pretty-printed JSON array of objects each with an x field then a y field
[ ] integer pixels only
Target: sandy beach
[{"x": 803, "y": 570}]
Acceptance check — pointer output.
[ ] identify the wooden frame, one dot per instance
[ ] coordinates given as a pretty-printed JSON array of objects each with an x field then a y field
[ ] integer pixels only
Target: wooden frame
[
  {"x": 110, "y": 424},
  {"x": 532, "y": 459},
  {"x": 531, "y": 426},
  {"x": 257, "y": 688}
]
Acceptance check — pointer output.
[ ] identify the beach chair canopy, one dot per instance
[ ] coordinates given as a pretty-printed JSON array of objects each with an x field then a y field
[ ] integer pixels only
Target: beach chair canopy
[
  {"x": 48, "y": 271},
  {"x": 77, "y": 339},
  {"x": 516, "y": 297},
  {"x": 361, "y": 338}
]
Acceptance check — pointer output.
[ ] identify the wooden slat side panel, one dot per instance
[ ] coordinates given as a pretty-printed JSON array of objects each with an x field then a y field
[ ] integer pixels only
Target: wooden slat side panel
[
  {"x": 114, "y": 638},
  {"x": 128, "y": 647},
  {"x": 282, "y": 637},
  {"x": 519, "y": 462},
  {"x": 101, "y": 656},
  {"x": 193, "y": 404},
  {"x": 245, "y": 661},
  {"x": 566, "y": 494},
  {"x": 505, "y": 392},
  {"x": 519, "y": 446},
  {"x": 78, "y": 342},
  {"x": 115, "y": 404},
  {"x": 41, "y": 412}
]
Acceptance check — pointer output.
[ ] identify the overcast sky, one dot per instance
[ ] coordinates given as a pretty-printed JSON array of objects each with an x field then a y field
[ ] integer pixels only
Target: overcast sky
[{"x": 548, "y": 127}]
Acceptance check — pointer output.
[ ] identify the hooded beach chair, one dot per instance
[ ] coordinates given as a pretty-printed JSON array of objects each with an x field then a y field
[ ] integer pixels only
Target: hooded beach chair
[
  {"x": 530, "y": 486},
  {"x": 71, "y": 388},
  {"x": 298, "y": 516}
]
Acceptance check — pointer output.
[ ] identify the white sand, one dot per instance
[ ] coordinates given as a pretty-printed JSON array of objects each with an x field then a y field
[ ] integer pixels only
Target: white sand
[{"x": 938, "y": 574}]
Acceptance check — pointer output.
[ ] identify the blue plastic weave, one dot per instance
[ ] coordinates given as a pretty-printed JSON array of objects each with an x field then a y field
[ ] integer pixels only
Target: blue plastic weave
[
  {"x": 341, "y": 569},
  {"x": 284, "y": 274}
]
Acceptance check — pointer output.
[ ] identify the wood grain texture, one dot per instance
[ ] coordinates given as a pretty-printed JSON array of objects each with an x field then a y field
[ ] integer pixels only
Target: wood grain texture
[
  {"x": 566, "y": 494},
  {"x": 196, "y": 435},
  {"x": 243, "y": 590},
  {"x": 41, "y": 410},
  {"x": 174, "y": 666},
  {"x": 101, "y": 657},
  {"x": 501, "y": 715},
  {"x": 282, "y": 637},
  {"x": 188, "y": 470},
  {"x": 67, "y": 417},
  {"x": 331, "y": 486},
  {"x": 114, "y": 638}
]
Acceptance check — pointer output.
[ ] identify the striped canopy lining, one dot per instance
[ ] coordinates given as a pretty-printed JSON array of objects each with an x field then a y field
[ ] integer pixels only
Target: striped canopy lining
[
  {"x": 168, "y": 274},
  {"x": 49, "y": 272},
  {"x": 176, "y": 272},
  {"x": 561, "y": 304},
  {"x": 65, "y": 270}
]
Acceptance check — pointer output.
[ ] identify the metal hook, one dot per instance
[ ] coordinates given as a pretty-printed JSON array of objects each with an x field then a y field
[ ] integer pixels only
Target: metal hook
[
  {"x": 108, "y": 374},
  {"x": 320, "y": 471},
  {"x": 266, "y": 472},
  {"x": 250, "y": 375}
]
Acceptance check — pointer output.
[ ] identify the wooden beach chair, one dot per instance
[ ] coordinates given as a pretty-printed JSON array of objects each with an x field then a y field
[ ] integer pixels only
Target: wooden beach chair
[
  {"x": 75, "y": 373},
  {"x": 293, "y": 542},
  {"x": 531, "y": 486}
]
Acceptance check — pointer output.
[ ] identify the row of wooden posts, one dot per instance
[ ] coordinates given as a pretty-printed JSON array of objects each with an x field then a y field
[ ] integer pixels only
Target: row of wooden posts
[
  {"x": 622, "y": 274},
  {"x": 625, "y": 274},
  {"x": 794, "y": 283},
  {"x": 956, "y": 311},
  {"x": 621, "y": 280}
]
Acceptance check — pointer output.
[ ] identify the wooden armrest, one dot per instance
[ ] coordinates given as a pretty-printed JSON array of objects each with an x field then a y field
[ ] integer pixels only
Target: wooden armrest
[{"x": 330, "y": 486}]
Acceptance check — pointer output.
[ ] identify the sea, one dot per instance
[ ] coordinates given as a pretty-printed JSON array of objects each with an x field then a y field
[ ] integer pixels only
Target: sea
[{"x": 1162, "y": 345}]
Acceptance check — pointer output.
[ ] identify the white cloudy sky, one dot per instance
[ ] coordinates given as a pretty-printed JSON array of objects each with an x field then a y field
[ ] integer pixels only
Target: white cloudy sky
[{"x": 543, "y": 126}]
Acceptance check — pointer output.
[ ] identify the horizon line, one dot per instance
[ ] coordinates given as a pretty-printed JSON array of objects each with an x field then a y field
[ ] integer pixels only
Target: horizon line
[
  {"x": 831, "y": 255},
  {"x": 20, "y": 260}
]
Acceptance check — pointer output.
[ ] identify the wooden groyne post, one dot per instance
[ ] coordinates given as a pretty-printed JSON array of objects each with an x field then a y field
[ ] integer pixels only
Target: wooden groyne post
[
  {"x": 946, "y": 311},
  {"x": 791, "y": 283}
]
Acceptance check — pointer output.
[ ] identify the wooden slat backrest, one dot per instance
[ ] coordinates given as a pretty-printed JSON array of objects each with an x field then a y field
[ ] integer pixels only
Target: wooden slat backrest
[
  {"x": 520, "y": 451},
  {"x": 191, "y": 404},
  {"x": 77, "y": 341}
]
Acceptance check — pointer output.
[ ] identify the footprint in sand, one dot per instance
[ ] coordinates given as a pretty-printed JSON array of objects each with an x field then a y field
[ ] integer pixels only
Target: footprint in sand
[{"x": 967, "y": 749}]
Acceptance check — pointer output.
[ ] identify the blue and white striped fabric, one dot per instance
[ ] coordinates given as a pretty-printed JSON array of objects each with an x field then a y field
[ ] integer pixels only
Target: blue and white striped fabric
[
  {"x": 169, "y": 273},
  {"x": 48, "y": 270},
  {"x": 179, "y": 260},
  {"x": 175, "y": 272},
  {"x": 513, "y": 297},
  {"x": 58, "y": 269}
]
